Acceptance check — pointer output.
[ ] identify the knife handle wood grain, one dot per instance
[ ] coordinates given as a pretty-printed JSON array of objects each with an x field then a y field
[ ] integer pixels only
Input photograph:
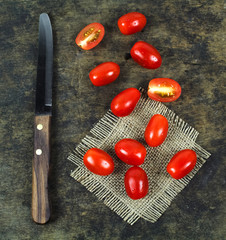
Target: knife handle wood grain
[{"x": 40, "y": 170}]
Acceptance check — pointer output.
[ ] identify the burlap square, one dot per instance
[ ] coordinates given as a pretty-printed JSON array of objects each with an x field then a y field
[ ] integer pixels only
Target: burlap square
[{"x": 162, "y": 187}]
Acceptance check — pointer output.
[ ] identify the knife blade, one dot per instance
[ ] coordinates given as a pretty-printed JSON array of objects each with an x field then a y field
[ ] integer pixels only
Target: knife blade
[{"x": 42, "y": 123}]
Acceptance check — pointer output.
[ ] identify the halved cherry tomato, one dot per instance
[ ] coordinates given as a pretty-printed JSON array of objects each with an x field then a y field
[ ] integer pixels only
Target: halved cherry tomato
[
  {"x": 130, "y": 151},
  {"x": 182, "y": 163},
  {"x": 156, "y": 130},
  {"x": 98, "y": 162},
  {"x": 105, "y": 73},
  {"x": 136, "y": 183},
  {"x": 124, "y": 103},
  {"x": 146, "y": 55},
  {"x": 90, "y": 36},
  {"x": 164, "y": 89},
  {"x": 131, "y": 23}
]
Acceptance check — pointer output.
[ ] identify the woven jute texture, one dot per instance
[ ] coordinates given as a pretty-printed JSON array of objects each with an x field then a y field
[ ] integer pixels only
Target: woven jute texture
[{"x": 162, "y": 187}]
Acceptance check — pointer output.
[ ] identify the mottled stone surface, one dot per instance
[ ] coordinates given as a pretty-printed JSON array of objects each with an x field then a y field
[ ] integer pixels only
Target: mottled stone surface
[{"x": 190, "y": 37}]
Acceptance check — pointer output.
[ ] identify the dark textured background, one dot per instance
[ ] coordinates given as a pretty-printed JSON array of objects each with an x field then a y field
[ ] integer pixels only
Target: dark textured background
[{"x": 190, "y": 37}]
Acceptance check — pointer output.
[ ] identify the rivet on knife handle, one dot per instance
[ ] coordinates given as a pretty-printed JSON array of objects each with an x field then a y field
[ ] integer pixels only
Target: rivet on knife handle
[{"x": 40, "y": 170}]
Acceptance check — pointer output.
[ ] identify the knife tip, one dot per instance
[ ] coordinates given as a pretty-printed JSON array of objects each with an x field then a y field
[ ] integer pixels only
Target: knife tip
[{"x": 43, "y": 15}]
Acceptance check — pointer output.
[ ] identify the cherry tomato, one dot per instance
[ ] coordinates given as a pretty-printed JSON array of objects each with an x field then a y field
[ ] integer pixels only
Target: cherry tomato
[
  {"x": 164, "y": 89},
  {"x": 130, "y": 151},
  {"x": 146, "y": 55},
  {"x": 156, "y": 130},
  {"x": 182, "y": 163},
  {"x": 131, "y": 23},
  {"x": 104, "y": 73},
  {"x": 125, "y": 102},
  {"x": 98, "y": 162},
  {"x": 90, "y": 36},
  {"x": 136, "y": 183}
]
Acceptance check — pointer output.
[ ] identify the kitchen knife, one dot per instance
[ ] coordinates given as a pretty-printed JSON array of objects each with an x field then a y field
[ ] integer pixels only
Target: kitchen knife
[{"x": 42, "y": 122}]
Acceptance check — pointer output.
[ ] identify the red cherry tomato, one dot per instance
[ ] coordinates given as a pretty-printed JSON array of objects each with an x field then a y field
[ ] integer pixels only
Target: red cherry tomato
[
  {"x": 125, "y": 102},
  {"x": 104, "y": 73},
  {"x": 182, "y": 163},
  {"x": 130, "y": 151},
  {"x": 146, "y": 55},
  {"x": 131, "y": 23},
  {"x": 98, "y": 162},
  {"x": 164, "y": 90},
  {"x": 90, "y": 36},
  {"x": 156, "y": 130},
  {"x": 136, "y": 183}
]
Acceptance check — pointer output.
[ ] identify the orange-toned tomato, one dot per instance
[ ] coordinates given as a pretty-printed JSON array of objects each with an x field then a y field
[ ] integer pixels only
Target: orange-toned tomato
[
  {"x": 98, "y": 162},
  {"x": 124, "y": 103},
  {"x": 182, "y": 163},
  {"x": 131, "y": 23},
  {"x": 146, "y": 55},
  {"x": 136, "y": 183},
  {"x": 130, "y": 151},
  {"x": 164, "y": 89},
  {"x": 105, "y": 73},
  {"x": 156, "y": 130},
  {"x": 90, "y": 36}
]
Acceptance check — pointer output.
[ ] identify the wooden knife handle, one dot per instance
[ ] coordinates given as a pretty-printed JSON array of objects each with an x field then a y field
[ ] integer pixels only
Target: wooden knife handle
[{"x": 40, "y": 170}]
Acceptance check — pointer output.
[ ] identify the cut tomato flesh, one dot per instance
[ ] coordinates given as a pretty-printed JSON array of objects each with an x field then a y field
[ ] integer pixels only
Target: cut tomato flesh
[
  {"x": 90, "y": 36},
  {"x": 162, "y": 91}
]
